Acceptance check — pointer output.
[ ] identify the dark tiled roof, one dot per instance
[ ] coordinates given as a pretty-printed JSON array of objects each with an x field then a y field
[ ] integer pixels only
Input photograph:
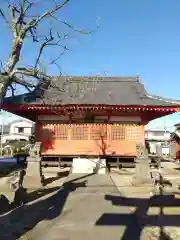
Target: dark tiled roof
[{"x": 92, "y": 90}]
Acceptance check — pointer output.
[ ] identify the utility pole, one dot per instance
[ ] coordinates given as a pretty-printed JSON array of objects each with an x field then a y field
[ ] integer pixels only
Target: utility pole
[
  {"x": 2, "y": 133},
  {"x": 165, "y": 133}
]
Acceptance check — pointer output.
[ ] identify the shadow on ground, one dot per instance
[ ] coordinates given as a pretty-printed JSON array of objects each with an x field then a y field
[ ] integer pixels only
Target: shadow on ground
[
  {"x": 178, "y": 169},
  {"x": 8, "y": 168},
  {"x": 59, "y": 176},
  {"x": 139, "y": 219},
  {"x": 46, "y": 209},
  {"x": 23, "y": 218}
]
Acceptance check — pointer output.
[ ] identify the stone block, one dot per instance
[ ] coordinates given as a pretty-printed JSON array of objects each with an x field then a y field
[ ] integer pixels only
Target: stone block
[
  {"x": 142, "y": 172},
  {"x": 89, "y": 165},
  {"x": 33, "y": 177}
]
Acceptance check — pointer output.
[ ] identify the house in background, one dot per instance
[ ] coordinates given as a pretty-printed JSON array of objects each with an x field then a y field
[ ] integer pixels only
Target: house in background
[
  {"x": 159, "y": 135},
  {"x": 156, "y": 137},
  {"x": 17, "y": 130}
]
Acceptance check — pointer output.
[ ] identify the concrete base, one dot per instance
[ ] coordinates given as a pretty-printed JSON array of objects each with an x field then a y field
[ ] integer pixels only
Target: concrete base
[
  {"x": 142, "y": 172},
  {"x": 163, "y": 191},
  {"x": 33, "y": 178},
  {"x": 89, "y": 165}
]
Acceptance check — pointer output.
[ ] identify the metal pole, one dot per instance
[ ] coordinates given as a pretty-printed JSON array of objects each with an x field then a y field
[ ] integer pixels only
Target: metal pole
[{"x": 2, "y": 133}]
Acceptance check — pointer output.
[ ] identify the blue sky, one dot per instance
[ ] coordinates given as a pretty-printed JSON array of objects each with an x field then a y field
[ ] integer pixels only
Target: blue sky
[{"x": 134, "y": 37}]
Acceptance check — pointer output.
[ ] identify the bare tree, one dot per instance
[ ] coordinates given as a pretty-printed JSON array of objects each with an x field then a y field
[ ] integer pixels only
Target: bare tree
[{"x": 25, "y": 25}]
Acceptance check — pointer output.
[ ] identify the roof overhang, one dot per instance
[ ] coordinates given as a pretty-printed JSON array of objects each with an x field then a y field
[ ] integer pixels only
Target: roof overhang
[
  {"x": 172, "y": 108},
  {"x": 31, "y": 111},
  {"x": 87, "y": 107}
]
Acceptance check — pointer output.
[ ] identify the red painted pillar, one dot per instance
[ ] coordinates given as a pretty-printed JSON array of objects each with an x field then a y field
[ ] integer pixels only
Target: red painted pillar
[
  {"x": 143, "y": 123},
  {"x": 37, "y": 130}
]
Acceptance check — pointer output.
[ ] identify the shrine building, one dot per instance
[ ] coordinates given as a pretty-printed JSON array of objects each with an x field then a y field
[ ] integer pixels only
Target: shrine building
[{"x": 90, "y": 117}]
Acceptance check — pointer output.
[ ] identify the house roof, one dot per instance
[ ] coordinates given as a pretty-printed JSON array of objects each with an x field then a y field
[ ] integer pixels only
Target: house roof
[
  {"x": 157, "y": 130},
  {"x": 91, "y": 90},
  {"x": 20, "y": 121}
]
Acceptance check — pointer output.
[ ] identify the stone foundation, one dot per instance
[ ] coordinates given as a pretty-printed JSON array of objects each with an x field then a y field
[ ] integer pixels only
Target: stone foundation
[
  {"x": 33, "y": 177},
  {"x": 142, "y": 172},
  {"x": 89, "y": 165}
]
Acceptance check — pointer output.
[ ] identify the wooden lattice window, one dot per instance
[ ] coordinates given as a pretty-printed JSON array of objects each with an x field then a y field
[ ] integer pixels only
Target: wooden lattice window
[
  {"x": 133, "y": 133},
  {"x": 79, "y": 132},
  {"x": 118, "y": 132},
  {"x": 98, "y": 132},
  {"x": 61, "y": 131}
]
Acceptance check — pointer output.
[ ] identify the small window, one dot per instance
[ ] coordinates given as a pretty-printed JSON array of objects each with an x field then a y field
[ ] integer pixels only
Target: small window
[
  {"x": 22, "y": 140},
  {"x": 20, "y": 130}
]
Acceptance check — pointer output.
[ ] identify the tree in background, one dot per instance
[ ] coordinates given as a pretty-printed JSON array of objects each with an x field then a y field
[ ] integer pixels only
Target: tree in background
[
  {"x": 25, "y": 23},
  {"x": 32, "y": 138}
]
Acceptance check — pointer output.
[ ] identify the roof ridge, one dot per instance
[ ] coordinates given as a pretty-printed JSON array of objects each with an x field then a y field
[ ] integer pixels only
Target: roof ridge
[
  {"x": 101, "y": 78},
  {"x": 168, "y": 100}
]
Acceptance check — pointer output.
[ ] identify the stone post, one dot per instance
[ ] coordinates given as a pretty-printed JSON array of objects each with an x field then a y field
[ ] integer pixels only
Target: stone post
[
  {"x": 159, "y": 150},
  {"x": 159, "y": 154},
  {"x": 142, "y": 168},
  {"x": 172, "y": 151},
  {"x": 34, "y": 178}
]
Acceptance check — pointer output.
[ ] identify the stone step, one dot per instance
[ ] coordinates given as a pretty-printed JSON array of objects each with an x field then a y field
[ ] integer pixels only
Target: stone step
[{"x": 89, "y": 165}]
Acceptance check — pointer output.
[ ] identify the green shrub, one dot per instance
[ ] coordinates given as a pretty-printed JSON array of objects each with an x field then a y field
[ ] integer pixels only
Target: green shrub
[{"x": 32, "y": 138}]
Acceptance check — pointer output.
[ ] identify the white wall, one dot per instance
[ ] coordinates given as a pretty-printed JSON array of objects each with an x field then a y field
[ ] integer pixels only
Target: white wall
[
  {"x": 13, "y": 132},
  {"x": 165, "y": 150},
  {"x": 26, "y": 125},
  {"x": 157, "y": 135},
  {"x": 14, "y": 137}
]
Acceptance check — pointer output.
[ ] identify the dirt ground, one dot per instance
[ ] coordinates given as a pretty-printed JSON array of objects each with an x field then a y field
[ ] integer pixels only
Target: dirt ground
[{"x": 92, "y": 207}]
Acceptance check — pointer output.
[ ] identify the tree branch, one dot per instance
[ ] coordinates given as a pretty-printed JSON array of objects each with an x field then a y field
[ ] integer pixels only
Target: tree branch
[
  {"x": 28, "y": 6},
  {"x": 13, "y": 18},
  {"x": 27, "y": 88},
  {"x": 21, "y": 27},
  {"x": 52, "y": 11},
  {"x": 3, "y": 16},
  {"x": 12, "y": 90},
  {"x": 42, "y": 46},
  {"x": 23, "y": 82},
  {"x": 32, "y": 72}
]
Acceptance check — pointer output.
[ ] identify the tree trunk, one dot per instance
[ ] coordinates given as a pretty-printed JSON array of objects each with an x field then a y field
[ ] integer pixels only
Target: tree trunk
[
  {"x": 4, "y": 81},
  {"x": 14, "y": 55}
]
